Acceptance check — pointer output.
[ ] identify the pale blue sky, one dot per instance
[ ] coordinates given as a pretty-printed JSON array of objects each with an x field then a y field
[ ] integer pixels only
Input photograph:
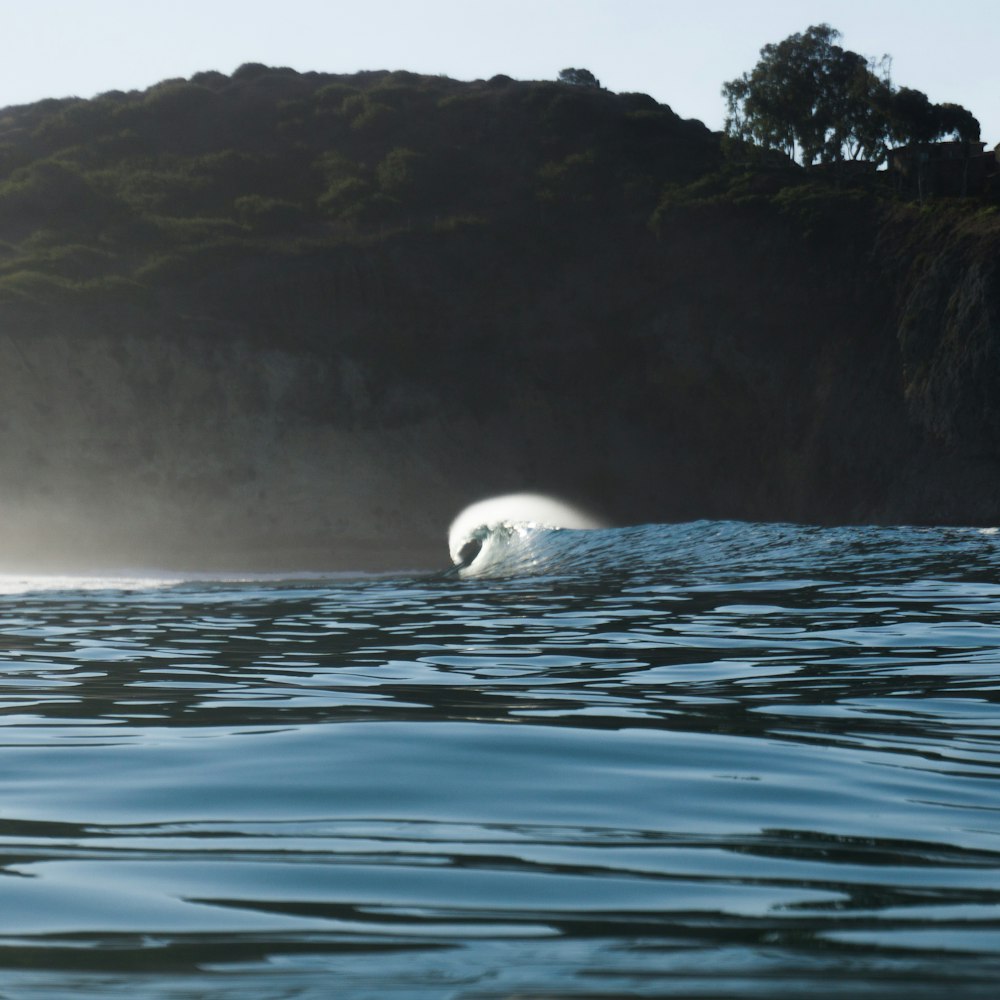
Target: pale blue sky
[{"x": 679, "y": 52}]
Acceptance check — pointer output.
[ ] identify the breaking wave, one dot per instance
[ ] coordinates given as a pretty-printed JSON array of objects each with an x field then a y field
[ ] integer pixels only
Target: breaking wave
[
  {"x": 515, "y": 534},
  {"x": 509, "y": 537}
]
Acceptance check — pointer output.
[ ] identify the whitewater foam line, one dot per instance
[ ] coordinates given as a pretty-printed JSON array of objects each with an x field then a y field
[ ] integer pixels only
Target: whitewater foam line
[
  {"x": 29, "y": 583},
  {"x": 24, "y": 583}
]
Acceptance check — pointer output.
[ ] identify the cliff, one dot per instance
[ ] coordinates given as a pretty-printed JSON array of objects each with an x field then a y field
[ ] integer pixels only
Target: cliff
[{"x": 282, "y": 320}]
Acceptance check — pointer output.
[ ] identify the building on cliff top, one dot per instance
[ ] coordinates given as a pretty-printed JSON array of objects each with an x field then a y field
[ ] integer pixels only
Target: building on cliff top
[{"x": 956, "y": 168}]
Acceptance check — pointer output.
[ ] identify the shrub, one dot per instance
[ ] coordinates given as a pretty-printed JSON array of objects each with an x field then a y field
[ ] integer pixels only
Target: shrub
[
  {"x": 374, "y": 118},
  {"x": 33, "y": 287},
  {"x": 402, "y": 172},
  {"x": 267, "y": 215},
  {"x": 177, "y": 98},
  {"x": 170, "y": 189},
  {"x": 49, "y": 191},
  {"x": 572, "y": 181},
  {"x": 335, "y": 94},
  {"x": 579, "y": 78},
  {"x": 250, "y": 71},
  {"x": 210, "y": 78},
  {"x": 72, "y": 261},
  {"x": 343, "y": 197}
]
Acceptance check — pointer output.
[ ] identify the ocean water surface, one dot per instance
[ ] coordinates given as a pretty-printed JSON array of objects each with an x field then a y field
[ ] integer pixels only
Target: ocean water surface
[{"x": 702, "y": 760}]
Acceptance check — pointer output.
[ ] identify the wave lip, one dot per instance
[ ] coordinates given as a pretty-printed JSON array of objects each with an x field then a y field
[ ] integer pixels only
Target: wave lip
[{"x": 510, "y": 533}]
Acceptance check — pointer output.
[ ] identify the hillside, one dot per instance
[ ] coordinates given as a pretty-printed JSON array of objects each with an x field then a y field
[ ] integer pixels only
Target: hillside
[{"x": 289, "y": 320}]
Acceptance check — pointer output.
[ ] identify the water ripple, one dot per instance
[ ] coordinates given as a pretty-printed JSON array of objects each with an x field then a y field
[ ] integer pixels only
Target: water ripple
[{"x": 775, "y": 746}]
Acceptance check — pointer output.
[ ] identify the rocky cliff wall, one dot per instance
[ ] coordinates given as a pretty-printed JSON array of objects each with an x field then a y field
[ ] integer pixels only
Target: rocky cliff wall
[{"x": 336, "y": 411}]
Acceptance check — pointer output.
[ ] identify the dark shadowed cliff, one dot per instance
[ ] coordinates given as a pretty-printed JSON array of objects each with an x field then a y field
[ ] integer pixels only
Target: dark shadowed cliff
[{"x": 290, "y": 320}]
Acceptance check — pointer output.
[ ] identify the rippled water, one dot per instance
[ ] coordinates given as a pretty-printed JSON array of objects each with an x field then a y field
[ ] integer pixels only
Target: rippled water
[{"x": 709, "y": 760}]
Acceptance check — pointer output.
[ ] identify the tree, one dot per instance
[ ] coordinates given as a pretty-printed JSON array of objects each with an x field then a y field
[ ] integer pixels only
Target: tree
[
  {"x": 579, "y": 78},
  {"x": 858, "y": 91},
  {"x": 914, "y": 119},
  {"x": 911, "y": 117},
  {"x": 955, "y": 120},
  {"x": 809, "y": 97}
]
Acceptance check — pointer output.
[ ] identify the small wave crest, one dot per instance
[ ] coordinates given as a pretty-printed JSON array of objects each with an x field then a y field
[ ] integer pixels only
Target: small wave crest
[{"x": 513, "y": 534}]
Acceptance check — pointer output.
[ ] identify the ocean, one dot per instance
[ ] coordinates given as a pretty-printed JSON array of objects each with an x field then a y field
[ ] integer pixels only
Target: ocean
[{"x": 702, "y": 760}]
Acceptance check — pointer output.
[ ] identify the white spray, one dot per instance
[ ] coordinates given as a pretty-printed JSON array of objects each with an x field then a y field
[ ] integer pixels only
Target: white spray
[{"x": 514, "y": 513}]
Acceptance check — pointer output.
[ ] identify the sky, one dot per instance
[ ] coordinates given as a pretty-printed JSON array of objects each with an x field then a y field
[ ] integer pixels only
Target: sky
[{"x": 678, "y": 52}]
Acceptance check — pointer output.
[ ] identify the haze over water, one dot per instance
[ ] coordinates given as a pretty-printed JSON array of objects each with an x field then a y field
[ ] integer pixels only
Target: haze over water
[{"x": 700, "y": 760}]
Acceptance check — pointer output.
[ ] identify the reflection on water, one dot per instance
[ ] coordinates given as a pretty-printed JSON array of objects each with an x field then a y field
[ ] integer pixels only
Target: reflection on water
[{"x": 702, "y": 760}]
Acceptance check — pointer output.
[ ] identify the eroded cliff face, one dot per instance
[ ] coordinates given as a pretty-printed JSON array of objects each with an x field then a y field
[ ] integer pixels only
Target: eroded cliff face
[
  {"x": 948, "y": 334},
  {"x": 126, "y": 447},
  {"x": 335, "y": 412}
]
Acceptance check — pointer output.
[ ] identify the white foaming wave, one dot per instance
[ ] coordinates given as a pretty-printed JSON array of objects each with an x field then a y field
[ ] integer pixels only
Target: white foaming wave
[
  {"x": 507, "y": 533},
  {"x": 42, "y": 583},
  {"x": 29, "y": 583}
]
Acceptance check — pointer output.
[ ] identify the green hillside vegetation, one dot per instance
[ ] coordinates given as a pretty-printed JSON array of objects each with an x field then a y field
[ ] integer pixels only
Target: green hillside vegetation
[
  {"x": 126, "y": 192},
  {"x": 131, "y": 192}
]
